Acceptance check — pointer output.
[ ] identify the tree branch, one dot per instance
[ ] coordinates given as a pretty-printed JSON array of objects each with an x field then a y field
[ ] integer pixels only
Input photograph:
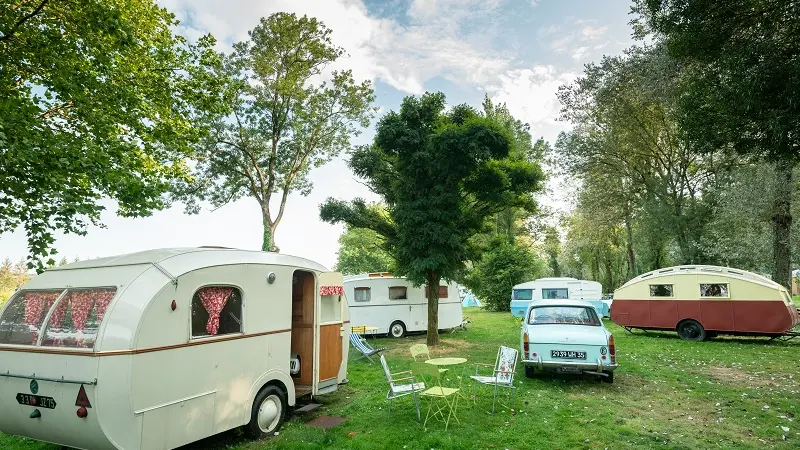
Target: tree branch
[{"x": 22, "y": 20}]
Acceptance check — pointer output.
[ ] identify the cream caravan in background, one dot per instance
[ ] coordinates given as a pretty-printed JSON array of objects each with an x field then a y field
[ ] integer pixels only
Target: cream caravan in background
[
  {"x": 395, "y": 306},
  {"x": 157, "y": 349}
]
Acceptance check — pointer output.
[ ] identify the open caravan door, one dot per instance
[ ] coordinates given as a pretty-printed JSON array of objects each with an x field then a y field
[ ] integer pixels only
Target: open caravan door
[{"x": 330, "y": 331}]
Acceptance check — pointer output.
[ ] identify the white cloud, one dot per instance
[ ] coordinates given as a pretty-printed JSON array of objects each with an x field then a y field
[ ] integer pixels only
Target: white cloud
[
  {"x": 582, "y": 37},
  {"x": 405, "y": 57}
]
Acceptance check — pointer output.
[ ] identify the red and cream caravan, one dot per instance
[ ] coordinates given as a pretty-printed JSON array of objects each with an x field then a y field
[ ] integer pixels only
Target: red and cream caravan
[
  {"x": 702, "y": 301},
  {"x": 157, "y": 349}
]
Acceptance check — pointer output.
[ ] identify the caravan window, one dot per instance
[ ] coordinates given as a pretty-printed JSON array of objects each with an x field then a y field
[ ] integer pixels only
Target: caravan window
[
  {"x": 24, "y": 315},
  {"x": 714, "y": 290},
  {"x": 557, "y": 294},
  {"x": 76, "y": 318},
  {"x": 660, "y": 290},
  {"x": 216, "y": 310},
  {"x": 398, "y": 293},
  {"x": 523, "y": 294},
  {"x": 363, "y": 294},
  {"x": 442, "y": 291}
]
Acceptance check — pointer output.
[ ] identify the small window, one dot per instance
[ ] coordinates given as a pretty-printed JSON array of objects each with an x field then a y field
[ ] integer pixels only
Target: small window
[
  {"x": 523, "y": 294},
  {"x": 398, "y": 293},
  {"x": 563, "y": 315},
  {"x": 442, "y": 291},
  {"x": 660, "y": 290},
  {"x": 216, "y": 310},
  {"x": 24, "y": 316},
  {"x": 363, "y": 294},
  {"x": 555, "y": 294},
  {"x": 76, "y": 318},
  {"x": 714, "y": 290}
]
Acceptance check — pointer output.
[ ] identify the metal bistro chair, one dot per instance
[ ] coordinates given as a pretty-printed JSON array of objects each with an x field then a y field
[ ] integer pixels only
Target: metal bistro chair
[
  {"x": 400, "y": 390},
  {"x": 443, "y": 399},
  {"x": 422, "y": 350},
  {"x": 503, "y": 375}
]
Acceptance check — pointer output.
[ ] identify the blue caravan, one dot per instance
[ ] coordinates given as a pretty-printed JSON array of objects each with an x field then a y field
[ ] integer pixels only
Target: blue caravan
[{"x": 557, "y": 289}]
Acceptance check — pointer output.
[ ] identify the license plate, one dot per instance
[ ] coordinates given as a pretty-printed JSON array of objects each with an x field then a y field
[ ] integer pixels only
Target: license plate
[
  {"x": 36, "y": 400},
  {"x": 570, "y": 354},
  {"x": 569, "y": 369}
]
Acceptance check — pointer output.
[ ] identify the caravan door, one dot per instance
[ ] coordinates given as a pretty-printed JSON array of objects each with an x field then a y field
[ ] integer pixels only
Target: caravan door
[{"x": 330, "y": 326}]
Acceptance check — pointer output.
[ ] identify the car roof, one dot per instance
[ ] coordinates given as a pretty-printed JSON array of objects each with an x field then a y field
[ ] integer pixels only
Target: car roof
[{"x": 564, "y": 302}]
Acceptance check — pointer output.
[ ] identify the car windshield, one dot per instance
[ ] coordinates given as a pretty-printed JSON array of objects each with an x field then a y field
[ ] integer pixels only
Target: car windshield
[{"x": 563, "y": 315}]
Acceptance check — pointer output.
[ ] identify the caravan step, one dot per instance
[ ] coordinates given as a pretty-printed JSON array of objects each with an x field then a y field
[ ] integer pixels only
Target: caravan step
[{"x": 308, "y": 408}]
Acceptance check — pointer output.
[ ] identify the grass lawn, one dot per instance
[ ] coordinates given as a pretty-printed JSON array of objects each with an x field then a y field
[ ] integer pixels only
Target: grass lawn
[{"x": 667, "y": 393}]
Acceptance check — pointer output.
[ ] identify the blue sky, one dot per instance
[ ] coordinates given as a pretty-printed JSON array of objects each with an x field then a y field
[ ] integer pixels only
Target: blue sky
[{"x": 517, "y": 51}]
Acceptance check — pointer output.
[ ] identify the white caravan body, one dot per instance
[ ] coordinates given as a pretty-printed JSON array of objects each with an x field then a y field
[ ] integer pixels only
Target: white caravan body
[
  {"x": 563, "y": 288},
  {"x": 395, "y": 306},
  {"x": 157, "y": 349}
]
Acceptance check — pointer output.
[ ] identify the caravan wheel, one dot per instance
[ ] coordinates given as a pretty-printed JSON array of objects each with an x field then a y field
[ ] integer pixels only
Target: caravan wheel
[
  {"x": 269, "y": 411},
  {"x": 397, "y": 329}
]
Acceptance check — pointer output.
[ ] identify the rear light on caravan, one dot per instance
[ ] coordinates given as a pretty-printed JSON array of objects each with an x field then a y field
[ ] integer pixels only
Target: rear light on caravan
[
  {"x": 525, "y": 347},
  {"x": 82, "y": 412},
  {"x": 612, "y": 350}
]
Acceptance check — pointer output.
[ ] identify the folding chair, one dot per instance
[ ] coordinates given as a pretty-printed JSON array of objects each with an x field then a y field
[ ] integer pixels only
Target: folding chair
[
  {"x": 503, "y": 375},
  {"x": 363, "y": 347},
  {"x": 422, "y": 350},
  {"x": 444, "y": 399},
  {"x": 400, "y": 390}
]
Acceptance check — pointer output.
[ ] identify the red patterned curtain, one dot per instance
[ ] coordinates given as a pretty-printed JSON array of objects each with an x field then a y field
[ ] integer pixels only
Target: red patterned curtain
[
  {"x": 103, "y": 298},
  {"x": 214, "y": 299},
  {"x": 331, "y": 290},
  {"x": 36, "y": 306}
]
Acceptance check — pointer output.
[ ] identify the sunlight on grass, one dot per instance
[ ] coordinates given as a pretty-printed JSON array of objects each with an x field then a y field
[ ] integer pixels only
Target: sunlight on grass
[{"x": 667, "y": 393}]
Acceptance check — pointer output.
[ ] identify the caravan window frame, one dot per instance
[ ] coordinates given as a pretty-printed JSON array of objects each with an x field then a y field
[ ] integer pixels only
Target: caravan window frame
[
  {"x": 362, "y": 288},
  {"x": 242, "y": 327},
  {"x": 404, "y": 298}
]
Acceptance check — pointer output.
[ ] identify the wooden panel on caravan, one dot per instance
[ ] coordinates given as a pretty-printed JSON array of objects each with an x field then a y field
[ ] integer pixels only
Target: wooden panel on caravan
[{"x": 330, "y": 356}]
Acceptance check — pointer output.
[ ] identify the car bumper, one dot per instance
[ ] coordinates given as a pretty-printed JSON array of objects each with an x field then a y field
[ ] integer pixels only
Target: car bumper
[{"x": 598, "y": 365}]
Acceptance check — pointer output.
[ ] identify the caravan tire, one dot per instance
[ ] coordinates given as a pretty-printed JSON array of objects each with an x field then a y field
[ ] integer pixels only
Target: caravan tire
[
  {"x": 268, "y": 414},
  {"x": 397, "y": 329}
]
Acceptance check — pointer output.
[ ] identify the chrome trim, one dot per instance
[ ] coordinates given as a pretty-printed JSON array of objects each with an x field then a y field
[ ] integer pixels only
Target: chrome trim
[
  {"x": 185, "y": 399},
  {"x": 598, "y": 365},
  {"x": 55, "y": 380}
]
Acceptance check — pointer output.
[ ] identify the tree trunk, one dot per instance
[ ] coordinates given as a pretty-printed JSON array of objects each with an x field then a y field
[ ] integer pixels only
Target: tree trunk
[
  {"x": 609, "y": 267},
  {"x": 782, "y": 225},
  {"x": 629, "y": 244},
  {"x": 432, "y": 283},
  {"x": 268, "y": 242}
]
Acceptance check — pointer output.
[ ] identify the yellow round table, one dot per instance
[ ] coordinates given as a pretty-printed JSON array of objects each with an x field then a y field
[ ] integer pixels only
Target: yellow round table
[{"x": 446, "y": 361}]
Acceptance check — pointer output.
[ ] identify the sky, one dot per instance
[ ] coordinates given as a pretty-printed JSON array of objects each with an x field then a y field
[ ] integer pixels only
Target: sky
[{"x": 517, "y": 51}]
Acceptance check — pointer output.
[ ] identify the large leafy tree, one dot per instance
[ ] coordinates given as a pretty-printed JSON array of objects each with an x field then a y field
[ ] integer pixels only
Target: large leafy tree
[
  {"x": 98, "y": 99},
  {"x": 441, "y": 174},
  {"x": 289, "y": 115},
  {"x": 741, "y": 89},
  {"x": 361, "y": 250}
]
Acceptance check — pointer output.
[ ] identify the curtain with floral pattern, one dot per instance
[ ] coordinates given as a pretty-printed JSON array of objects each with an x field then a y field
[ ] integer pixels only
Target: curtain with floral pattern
[
  {"x": 214, "y": 299},
  {"x": 37, "y": 303},
  {"x": 331, "y": 290}
]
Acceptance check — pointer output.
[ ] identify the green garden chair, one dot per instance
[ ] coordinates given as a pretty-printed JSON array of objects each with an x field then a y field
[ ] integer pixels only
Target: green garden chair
[
  {"x": 442, "y": 401},
  {"x": 422, "y": 350}
]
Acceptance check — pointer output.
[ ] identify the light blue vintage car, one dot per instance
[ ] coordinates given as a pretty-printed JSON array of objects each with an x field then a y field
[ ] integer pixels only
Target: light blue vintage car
[{"x": 566, "y": 336}]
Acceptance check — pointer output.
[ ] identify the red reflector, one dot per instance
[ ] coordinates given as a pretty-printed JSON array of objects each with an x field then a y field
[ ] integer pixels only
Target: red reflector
[
  {"x": 82, "y": 412},
  {"x": 612, "y": 349},
  {"x": 534, "y": 354},
  {"x": 83, "y": 399}
]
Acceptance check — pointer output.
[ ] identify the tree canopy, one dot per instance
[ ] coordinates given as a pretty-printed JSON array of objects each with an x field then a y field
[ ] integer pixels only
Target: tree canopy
[
  {"x": 99, "y": 99},
  {"x": 288, "y": 116},
  {"x": 741, "y": 93},
  {"x": 441, "y": 174},
  {"x": 361, "y": 250}
]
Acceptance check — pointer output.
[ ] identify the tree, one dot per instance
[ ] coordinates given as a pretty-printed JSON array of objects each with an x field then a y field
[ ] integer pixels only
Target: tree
[
  {"x": 440, "y": 175},
  {"x": 500, "y": 268},
  {"x": 284, "y": 120},
  {"x": 361, "y": 250},
  {"x": 742, "y": 93},
  {"x": 12, "y": 276},
  {"x": 99, "y": 99},
  {"x": 552, "y": 248}
]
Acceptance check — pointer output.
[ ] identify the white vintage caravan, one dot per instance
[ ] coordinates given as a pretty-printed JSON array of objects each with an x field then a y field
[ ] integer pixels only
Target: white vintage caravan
[
  {"x": 396, "y": 307},
  {"x": 564, "y": 288},
  {"x": 157, "y": 349}
]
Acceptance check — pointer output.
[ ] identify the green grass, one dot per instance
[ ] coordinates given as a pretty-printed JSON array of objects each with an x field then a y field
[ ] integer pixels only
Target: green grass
[{"x": 667, "y": 393}]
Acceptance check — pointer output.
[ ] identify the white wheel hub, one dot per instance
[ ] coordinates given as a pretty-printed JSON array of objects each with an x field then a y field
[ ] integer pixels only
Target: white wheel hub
[{"x": 269, "y": 413}]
